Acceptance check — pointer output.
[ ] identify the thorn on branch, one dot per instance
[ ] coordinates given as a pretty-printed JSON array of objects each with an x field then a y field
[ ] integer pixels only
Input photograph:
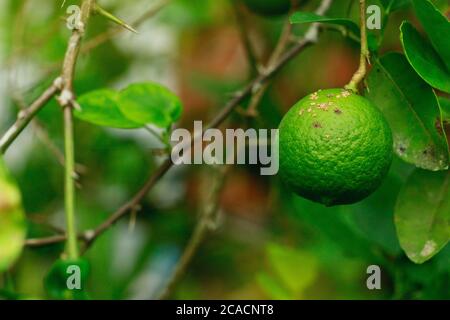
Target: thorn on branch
[{"x": 65, "y": 98}]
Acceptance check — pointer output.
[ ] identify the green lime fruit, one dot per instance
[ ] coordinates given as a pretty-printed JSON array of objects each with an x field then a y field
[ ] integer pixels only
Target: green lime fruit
[
  {"x": 335, "y": 147},
  {"x": 12, "y": 220},
  {"x": 269, "y": 7}
]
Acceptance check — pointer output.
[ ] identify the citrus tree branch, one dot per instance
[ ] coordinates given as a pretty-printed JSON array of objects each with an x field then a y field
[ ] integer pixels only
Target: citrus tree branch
[
  {"x": 25, "y": 116},
  {"x": 206, "y": 223},
  {"x": 364, "y": 55},
  {"x": 105, "y": 36},
  {"x": 66, "y": 100},
  {"x": 310, "y": 38}
]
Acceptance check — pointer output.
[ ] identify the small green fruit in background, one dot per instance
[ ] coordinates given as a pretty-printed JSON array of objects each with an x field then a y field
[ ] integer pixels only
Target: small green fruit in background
[
  {"x": 335, "y": 147},
  {"x": 269, "y": 7},
  {"x": 12, "y": 220}
]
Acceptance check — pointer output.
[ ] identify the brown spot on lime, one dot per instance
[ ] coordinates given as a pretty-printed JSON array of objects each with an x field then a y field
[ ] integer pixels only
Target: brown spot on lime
[
  {"x": 401, "y": 149},
  {"x": 317, "y": 125},
  {"x": 338, "y": 111},
  {"x": 429, "y": 152}
]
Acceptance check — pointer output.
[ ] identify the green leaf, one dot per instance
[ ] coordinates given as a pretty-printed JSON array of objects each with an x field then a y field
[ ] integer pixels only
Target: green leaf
[
  {"x": 424, "y": 59},
  {"x": 445, "y": 108},
  {"x": 374, "y": 216},
  {"x": 422, "y": 214},
  {"x": 273, "y": 288},
  {"x": 100, "y": 108},
  {"x": 394, "y": 5},
  {"x": 436, "y": 26},
  {"x": 331, "y": 223},
  {"x": 12, "y": 220},
  {"x": 297, "y": 270},
  {"x": 150, "y": 103},
  {"x": 57, "y": 280},
  {"x": 309, "y": 17},
  {"x": 412, "y": 110}
]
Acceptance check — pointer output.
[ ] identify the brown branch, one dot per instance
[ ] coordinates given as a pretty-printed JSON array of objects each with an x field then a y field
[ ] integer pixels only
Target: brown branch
[
  {"x": 25, "y": 116},
  {"x": 309, "y": 39},
  {"x": 278, "y": 51},
  {"x": 206, "y": 223}
]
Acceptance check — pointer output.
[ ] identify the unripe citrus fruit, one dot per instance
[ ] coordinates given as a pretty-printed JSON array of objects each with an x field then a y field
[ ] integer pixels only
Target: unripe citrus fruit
[
  {"x": 12, "y": 220},
  {"x": 335, "y": 147},
  {"x": 269, "y": 7}
]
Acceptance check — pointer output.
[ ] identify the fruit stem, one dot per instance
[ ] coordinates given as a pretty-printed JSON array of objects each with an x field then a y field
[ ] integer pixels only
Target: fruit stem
[{"x": 364, "y": 55}]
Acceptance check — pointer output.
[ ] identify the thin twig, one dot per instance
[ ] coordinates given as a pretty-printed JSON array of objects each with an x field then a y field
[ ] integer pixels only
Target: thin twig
[
  {"x": 66, "y": 100},
  {"x": 278, "y": 51},
  {"x": 206, "y": 223},
  {"x": 364, "y": 55},
  {"x": 25, "y": 116},
  {"x": 105, "y": 36},
  {"x": 245, "y": 38},
  {"x": 309, "y": 39}
]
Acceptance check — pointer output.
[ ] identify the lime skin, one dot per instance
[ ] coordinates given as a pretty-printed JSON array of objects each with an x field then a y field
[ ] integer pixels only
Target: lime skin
[{"x": 335, "y": 147}]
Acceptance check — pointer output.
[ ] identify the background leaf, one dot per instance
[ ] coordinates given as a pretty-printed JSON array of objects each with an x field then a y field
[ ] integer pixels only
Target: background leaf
[
  {"x": 436, "y": 26},
  {"x": 100, "y": 108},
  {"x": 424, "y": 59},
  {"x": 422, "y": 214},
  {"x": 296, "y": 269},
  {"x": 150, "y": 103},
  {"x": 309, "y": 17},
  {"x": 332, "y": 223},
  {"x": 412, "y": 110},
  {"x": 445, "y": 108},
  {"x": 56, "y": 280},
  {"x": 12, "y": 220},
  {"x": 394, "y": 5}
]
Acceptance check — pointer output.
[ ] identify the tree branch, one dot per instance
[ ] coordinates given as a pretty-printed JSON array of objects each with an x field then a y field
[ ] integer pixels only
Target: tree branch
[
  {"x": 25, "y": 116},
  {"x": 66, "y": 100},
  {"x": 206, "y": 223}
]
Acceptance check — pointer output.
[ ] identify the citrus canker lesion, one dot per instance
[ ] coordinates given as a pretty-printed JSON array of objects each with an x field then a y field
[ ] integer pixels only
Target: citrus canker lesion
[{"x": 335, "y": 147}]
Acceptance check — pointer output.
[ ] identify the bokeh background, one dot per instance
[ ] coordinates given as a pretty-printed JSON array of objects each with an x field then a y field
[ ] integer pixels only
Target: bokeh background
[{"x": 269, "y": 243}]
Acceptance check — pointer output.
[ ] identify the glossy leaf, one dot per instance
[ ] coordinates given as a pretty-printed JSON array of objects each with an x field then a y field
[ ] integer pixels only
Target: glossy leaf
[
  {"x": 422, "y": 214},
  {"x": 100, "y": 108},
  {"x": 150, "y": 103},
  {"x": 436, "y": 26},
  {"x": 309, "y": 17},
  {"x": 424, "y": 59},
  {"x": 56, "y": 281},
  {"x": 412, "y": 110},
  {"x": 12, "y": 220}
]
